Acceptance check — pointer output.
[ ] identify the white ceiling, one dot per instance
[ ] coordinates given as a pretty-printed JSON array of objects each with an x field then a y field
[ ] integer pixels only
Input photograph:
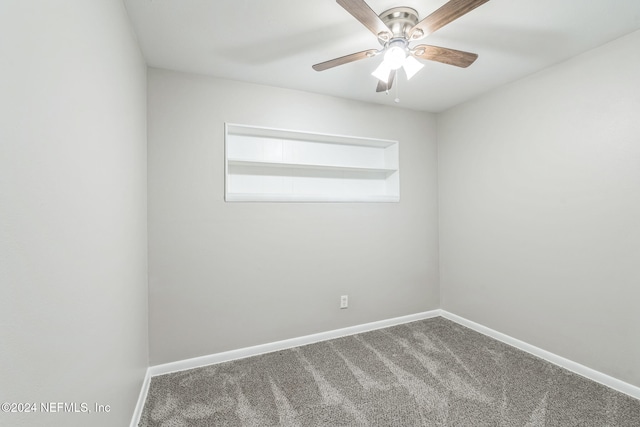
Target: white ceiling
[{"x": 275, "y": 42}]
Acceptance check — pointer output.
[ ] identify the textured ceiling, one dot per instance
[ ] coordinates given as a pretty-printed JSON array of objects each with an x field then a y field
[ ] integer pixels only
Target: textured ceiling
[{"x": 276, "y": 42}]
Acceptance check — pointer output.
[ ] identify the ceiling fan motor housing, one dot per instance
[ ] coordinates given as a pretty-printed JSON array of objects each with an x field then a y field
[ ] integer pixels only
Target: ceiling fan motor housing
[{"x": 400, "y": 21}]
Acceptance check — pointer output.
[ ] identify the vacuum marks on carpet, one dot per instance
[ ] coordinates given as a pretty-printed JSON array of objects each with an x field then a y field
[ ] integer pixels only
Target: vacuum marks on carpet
[{"x": 427, "y": 373}]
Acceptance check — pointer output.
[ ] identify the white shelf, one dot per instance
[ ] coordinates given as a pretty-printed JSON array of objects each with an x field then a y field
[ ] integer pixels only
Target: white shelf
[
  {"x": 296, "y": 135},
  {"x": 285, "y": 168},
  {"x": 276, "y": 165},
  {"x": 248, "y": 197}
]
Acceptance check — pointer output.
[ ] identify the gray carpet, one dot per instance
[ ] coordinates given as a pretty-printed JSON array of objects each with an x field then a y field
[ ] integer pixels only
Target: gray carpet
[{"x": 427, "y": 373}]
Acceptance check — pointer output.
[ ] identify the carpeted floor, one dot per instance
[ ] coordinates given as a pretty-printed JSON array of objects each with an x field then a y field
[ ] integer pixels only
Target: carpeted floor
[{"x": 428, "y": 373}]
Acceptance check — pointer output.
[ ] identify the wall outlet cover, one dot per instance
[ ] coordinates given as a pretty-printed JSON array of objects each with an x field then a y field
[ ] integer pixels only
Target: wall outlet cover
[{"x": 344, "y": 301}]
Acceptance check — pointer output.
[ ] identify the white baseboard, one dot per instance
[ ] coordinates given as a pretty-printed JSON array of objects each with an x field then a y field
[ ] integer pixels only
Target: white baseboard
[
  {"x": 142, "y": 397},
  {"x": 226, "y": 356},
  {"x": 570, "y": 365}
]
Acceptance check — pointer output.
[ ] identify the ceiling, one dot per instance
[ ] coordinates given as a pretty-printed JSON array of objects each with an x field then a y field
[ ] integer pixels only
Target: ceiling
[{"x": 275, "y": 42}]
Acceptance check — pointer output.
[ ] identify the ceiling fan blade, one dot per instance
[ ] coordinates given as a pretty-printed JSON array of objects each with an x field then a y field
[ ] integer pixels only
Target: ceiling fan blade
[
  {"x": 382, "y": 86},
  {"x": 345, "y": 59},
  {"x": 363, "y": 13},
  {"x": 449, "y": 12},
  {"x": 444, "y": 55}
]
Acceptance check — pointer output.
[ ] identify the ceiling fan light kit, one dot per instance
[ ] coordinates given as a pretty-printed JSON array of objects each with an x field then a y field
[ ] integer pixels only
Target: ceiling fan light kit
[
  {"x": 395, "y": 29},
  {"x": 395, "y": 53},
  {"x": 397, "y": 57}
]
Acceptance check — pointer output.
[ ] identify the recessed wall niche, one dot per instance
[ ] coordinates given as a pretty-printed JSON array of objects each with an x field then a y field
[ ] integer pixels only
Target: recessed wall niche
[{"x": 277, "y": 165}]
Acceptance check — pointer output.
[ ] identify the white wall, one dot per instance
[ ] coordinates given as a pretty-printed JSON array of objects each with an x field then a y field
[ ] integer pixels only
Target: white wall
[
  {"x": 224, "y": 276},
  {"x": 73, "y": 308},
  {"x": 540, "y": 209}
]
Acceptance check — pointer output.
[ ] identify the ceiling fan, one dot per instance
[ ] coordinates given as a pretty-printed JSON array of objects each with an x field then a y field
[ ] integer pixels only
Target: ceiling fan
[{"x": 395, "y": 29}]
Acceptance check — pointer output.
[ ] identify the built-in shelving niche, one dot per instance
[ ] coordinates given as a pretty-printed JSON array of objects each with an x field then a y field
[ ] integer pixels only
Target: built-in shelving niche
[{"x": 276, "y": 165}]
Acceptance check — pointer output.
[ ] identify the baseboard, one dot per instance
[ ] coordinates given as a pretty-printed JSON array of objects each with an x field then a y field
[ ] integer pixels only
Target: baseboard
[
  {"x": 570, "y": 365},
  {"x": 226, "y": 356},
  {"x": 137, "y": 412}
]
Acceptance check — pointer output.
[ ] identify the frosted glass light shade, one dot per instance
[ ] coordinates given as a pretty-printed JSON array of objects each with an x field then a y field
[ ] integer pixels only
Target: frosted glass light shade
[
  {"x": 382, "y": 72},
  {"x": 411, "y": 66},
  {"x": 395, "y": 56}
]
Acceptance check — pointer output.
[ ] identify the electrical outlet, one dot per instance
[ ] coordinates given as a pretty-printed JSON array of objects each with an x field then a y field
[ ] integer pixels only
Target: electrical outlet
[{"x": 344, "y": 301}]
